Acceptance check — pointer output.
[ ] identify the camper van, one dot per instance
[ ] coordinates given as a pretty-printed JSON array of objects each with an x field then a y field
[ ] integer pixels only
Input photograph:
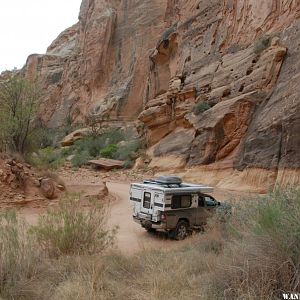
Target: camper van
[{"x": 168, "y": 204}]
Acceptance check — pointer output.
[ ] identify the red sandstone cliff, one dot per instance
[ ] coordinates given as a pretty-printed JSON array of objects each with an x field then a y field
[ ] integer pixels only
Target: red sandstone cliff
[{"x": 156, "y": 60}]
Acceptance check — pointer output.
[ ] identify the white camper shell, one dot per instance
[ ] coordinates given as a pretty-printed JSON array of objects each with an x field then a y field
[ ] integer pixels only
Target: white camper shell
[{"x": 152, "y": 198}]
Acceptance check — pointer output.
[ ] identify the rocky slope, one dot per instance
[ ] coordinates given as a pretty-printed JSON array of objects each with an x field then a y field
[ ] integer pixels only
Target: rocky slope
[{"x": 158, "y": 60}]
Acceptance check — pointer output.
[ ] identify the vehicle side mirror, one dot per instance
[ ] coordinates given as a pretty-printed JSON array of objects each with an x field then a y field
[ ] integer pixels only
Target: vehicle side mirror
[{"x": 219, "y": 203}]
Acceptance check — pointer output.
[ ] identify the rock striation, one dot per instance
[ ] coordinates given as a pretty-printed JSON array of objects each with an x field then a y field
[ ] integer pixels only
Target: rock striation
[{"x": 215, "y": 83}]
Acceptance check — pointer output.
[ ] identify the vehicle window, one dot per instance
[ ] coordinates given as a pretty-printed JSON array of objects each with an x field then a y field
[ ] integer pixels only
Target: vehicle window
[
  {"x": 185, "y": 201},
  {"x": 181, "y": 201},
  {"x": 147, "y": 200},
  {"x": 209, "y": 201},
  {"x": 201, "y": 201}
]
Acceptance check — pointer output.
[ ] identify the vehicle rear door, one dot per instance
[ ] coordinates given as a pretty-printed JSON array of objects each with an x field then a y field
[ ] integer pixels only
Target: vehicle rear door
[{"x": 147, "y": 202}]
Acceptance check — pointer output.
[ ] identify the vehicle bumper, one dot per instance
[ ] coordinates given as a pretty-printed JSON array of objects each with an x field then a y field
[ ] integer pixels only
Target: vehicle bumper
[{"x": 149, "y": 224}]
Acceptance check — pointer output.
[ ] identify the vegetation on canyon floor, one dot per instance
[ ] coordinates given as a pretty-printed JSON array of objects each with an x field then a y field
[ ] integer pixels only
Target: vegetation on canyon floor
[
  {"x": 254, "y": 255},
  {"x": 113, "y": 144},
  {"x": 23, "y": 132}
]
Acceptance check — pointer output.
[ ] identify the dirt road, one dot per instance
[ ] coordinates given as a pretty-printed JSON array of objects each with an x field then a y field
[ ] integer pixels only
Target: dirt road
[{"x": 131, "y": 237}]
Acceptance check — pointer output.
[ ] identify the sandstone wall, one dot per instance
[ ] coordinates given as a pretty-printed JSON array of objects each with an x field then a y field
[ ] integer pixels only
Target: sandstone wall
[
  {"x": 158, "y": 60},
  {"x": 240, "y": 58},
  {"x": 100, "y": 65}
]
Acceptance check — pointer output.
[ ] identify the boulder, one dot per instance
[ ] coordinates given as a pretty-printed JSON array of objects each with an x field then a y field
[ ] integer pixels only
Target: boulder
[
  {"x": 48, "y": 188},
  {"x": 76, "y": 135},
  {"x": 107, "y": 164}
]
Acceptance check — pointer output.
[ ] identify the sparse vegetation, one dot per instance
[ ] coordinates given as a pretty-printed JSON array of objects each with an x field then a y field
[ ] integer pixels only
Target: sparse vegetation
[
  {"x": 71, "y": 230},
  {"x": 80, "y": 159},
  {"x": 262, "y": 258},
  {"x": 262, "y": 44},
  {"x": 19, "y": 257},
  {"x": 111, "y": 144},
  {"x": 255, "y": 256},
  {"x": 19, "y": 100},
  {"x": 200, "y": 108},
  {"x": 47, "y": 158}
]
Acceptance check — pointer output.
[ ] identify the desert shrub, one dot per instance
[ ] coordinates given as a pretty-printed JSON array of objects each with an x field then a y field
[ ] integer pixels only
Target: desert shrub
[
  {"x": 263, "y": 256},
  {"x": 80, "y": 159},
  {"x": 104, "y": 145},
  {"x": 200, "y": 108},
  {"x": 113, "y": 136},
  {"x": 47, "y": 158},
  {"x": 93, "y": 144},
  {"x": 19, "y": 257},
  {"x": 129, "y": 150},
  {"x": 109, "y": 151},
  {"x": 128, "y": 164},
  {"x": 69, "y": 229},
  {"x": 262, "y": 44}
]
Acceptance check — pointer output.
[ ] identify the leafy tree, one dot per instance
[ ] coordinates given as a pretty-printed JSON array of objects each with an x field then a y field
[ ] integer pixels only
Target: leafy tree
[{"x": 19, "y": 100}]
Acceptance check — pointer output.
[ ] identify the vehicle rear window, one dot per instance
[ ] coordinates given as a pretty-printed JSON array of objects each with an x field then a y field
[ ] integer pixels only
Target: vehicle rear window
[
  {"x": 147, "y": 200},
  {"x": 181, "y": 201}
]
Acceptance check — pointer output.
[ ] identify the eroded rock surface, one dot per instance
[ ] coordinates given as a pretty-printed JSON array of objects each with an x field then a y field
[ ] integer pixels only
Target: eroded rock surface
[{"x": 156, "y": 60}]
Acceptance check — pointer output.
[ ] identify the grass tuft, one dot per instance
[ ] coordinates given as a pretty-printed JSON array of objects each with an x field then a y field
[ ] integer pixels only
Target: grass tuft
[{"x": 72, "y": 230}]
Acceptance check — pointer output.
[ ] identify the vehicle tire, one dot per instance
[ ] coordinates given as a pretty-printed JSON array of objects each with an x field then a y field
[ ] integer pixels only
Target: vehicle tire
[
  {"x": 151, "y": 230},
  {"x": 181, "y": 231}
]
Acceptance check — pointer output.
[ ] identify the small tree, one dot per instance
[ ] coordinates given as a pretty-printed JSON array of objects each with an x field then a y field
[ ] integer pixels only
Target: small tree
[
  {"x": 19, "y": 99},
  {"x": 95, "y": 123}
]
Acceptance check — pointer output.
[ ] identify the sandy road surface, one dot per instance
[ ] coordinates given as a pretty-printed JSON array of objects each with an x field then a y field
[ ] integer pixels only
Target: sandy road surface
[{"x": 131, "y": 237}]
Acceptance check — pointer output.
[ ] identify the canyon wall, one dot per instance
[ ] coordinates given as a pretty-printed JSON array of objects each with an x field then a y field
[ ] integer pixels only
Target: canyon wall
[{"x": 215, "y": 83}]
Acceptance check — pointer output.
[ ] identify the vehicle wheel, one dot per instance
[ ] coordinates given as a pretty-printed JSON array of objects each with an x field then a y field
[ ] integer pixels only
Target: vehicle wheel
[
  {"x": 181, "y": 230},
  {"x": 151, "y": 230}
]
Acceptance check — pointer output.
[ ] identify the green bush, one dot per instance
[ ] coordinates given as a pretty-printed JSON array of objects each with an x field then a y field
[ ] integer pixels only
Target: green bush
[
  {"x": 128, "y": 151},
  {"x": 47, "y": 158},
  {"x": 109, "y": 151},
  {"x": 80, "y": 159},
  {"x": 94, "y": 144},
  {"x": 128, "y": 164},
  {"x": 262, "y": 44},
  {"x": 200, "y": 108},
  {"x": 72, "y": 230}
]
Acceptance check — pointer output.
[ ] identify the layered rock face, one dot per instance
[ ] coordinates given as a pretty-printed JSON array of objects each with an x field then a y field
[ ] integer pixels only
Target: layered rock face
[
  {"x": 214, "y": 82},
  {"x": 100, "y": 65},
  {"x": 239, "y": 61}
]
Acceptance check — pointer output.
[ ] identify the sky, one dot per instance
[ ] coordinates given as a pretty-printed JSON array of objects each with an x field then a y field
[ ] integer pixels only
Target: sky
[{"x": 29, "y": 26}]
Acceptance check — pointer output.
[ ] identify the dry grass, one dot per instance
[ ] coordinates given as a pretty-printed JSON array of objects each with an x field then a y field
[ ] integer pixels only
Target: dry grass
[
  {"x": 262, "y": 257},
  {"x": 70, "y": 229},
  {"x": 19, "y": 256},
  {"x": 256, "y": 255}
]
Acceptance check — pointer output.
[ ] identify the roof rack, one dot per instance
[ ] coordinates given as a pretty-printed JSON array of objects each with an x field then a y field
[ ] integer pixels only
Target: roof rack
[{"x": 167, "y": 181}]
